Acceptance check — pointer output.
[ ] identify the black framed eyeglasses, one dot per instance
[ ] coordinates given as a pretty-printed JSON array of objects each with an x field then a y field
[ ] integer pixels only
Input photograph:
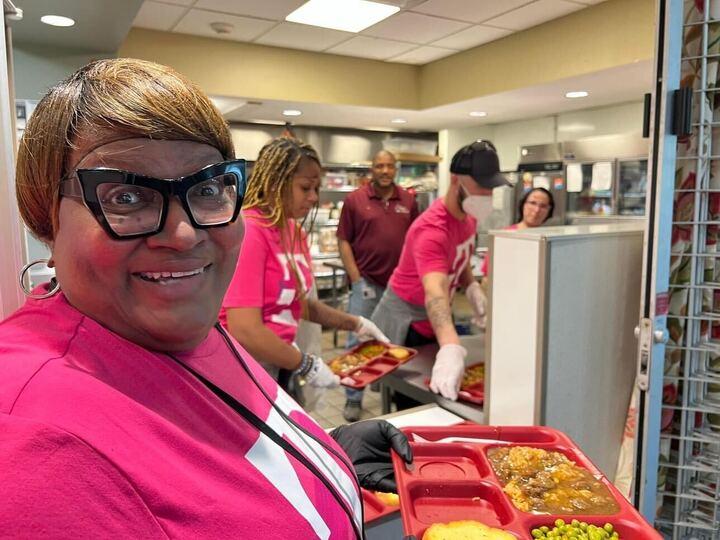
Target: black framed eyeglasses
[{"x": 129, "y": 205}]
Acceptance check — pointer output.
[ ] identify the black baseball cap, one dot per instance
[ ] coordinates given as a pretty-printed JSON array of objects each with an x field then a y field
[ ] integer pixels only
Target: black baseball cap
[{"x": 480, "y": 161}]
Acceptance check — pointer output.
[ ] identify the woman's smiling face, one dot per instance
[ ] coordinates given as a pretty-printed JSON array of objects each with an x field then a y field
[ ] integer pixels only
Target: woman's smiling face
[{"x": 115, "y": 281}]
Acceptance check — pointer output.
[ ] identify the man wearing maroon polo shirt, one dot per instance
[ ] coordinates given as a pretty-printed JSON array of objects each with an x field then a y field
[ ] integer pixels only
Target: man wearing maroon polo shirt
[{"x": 371, "y": 233}]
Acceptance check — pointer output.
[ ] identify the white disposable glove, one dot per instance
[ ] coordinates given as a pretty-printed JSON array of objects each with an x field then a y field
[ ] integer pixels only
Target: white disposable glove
[
  {"x": 477, "y": 299},
  {"x": 367, "y": 329},
  {"x": 320, "y": 374},
  {"x": 448, "y": 370}
]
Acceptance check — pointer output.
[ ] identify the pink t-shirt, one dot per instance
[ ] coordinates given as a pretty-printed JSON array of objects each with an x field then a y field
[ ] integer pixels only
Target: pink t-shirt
[
  {"x": 100, "y": 438},
  {"x": 264, "y": 277},
  {"x": 436, "y": 242}
]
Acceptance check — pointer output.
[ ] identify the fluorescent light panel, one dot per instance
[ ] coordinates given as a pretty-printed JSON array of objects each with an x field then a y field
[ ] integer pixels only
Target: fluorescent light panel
[
  {"x": 576, "y": 94},
  {"x": 347, "y": 15},
  {"x": 57, "y": 20}
]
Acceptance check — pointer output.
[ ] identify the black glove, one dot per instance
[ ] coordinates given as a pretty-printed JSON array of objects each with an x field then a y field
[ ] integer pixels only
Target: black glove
[{"x": 368, "y": 445}]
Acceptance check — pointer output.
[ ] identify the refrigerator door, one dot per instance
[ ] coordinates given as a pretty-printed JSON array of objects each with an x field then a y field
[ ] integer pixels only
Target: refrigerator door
[
  {"x": 591, "y": 194},
  {"x": 632, "y": 186}
]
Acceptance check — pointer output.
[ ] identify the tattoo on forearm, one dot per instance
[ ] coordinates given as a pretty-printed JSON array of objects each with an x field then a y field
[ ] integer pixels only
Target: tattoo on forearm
[{"x": 438, "y": 311}]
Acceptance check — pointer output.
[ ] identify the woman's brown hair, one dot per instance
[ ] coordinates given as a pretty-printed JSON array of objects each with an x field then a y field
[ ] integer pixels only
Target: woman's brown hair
[
  {"x": 270, "y": 184},
  {"x": 269, "y": 190},
  {"x": 133, "y": 98}
]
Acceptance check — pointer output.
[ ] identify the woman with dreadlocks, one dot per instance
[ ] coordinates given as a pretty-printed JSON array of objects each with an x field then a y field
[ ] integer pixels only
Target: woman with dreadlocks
[{"x": 268, "y": 294}]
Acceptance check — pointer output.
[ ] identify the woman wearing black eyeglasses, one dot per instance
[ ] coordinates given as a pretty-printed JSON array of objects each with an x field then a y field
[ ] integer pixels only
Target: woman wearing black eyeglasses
[{"x": 125, "y": 410}]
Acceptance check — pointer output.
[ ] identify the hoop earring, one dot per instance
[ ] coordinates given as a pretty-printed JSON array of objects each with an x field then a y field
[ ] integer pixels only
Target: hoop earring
[{"x": 53, "y": 290}]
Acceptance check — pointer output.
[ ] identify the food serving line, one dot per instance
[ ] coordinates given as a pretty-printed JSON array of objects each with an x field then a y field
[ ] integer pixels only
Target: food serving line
[{"x": 411, "y": 379}]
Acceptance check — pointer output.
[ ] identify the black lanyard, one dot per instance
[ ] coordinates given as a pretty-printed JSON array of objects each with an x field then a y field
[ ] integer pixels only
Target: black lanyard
[{"x": 256, "y": 422}]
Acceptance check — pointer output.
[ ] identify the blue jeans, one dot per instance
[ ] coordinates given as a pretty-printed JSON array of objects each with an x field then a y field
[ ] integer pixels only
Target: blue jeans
[{"x": 364, "y": 296}]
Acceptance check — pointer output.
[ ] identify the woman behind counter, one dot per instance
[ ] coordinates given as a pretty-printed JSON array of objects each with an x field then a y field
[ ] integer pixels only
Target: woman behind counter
[
  {"x": 534, "y": 209},
  {"x": 125, "y": 412},
  {"x": 269, "y": 293}
]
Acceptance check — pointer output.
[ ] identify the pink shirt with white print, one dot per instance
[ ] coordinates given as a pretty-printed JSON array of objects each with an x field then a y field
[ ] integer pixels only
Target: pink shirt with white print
[
  {"x": 436, "y": 242},
  {"x": 101, "y": 438},
  {"x": 264, "y": 277}
]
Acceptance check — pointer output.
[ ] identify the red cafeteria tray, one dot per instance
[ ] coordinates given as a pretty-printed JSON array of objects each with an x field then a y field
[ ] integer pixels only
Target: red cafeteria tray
[
  {"x": 377, "y": 367},
  {"x": 455, "y": 481},
  {"x": 472, "y": 393},
  {"x": 374, "y": 508}
]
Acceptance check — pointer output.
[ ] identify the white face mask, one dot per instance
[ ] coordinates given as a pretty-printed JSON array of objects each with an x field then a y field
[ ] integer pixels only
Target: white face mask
[{"x": 478, "y": 206}]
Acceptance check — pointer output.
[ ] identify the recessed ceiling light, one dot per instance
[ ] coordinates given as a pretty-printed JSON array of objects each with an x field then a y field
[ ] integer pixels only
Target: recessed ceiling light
[
  {"x": 398, "y": 121},
  {"x": 577, "y": 94},
  {"x": 347, "y": 15},
  {"x": 291, "y": 112},
  {"x": 57, "y": 20},
  {"x": 478, "y": 113}
]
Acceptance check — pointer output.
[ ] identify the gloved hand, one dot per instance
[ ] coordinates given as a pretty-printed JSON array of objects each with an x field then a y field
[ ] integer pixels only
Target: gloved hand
[
  {"x": 368, "y": 445},
  {"x": 366, "y": 329},
  {"x": 477, "y": 299},
  {"x": 448, "y": 370},
  {"x": 320, "y": 374}
]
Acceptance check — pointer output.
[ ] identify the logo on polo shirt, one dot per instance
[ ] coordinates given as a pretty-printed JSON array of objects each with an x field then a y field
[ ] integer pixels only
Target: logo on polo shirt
[{"x": 400, "y": 209}]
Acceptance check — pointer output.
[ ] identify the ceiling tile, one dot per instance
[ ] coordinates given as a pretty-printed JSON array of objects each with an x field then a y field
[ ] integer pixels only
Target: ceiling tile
[
  {"x": 472, "y": 37},
  {"x": 266, "y": 9},
  {"x": 414, "y": 27},
  {"x": 303, "y": 36},
  {"x": 534, "y": 14},
  {"x": 370, "y": 47},
  {"x": 158, "y": 16},
  {"x": 422, "y": 55},
  {"x": 469, "y": 10},
  {"x": 197, "y": 22}
]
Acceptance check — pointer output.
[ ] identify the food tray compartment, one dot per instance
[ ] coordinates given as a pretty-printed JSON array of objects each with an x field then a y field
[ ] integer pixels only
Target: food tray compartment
[
  {"x": 628, "y": 529},
  {"x": 374, "y": 508},
  {"x": 375, "y": 367},
  {"x": 448, "y": 500},
  {"x": 369, "y": 373},
  {"x": 448, "y": 462},
  {"x": 471, "y": 393},
  {"x": 475, "y": 392},
  {"x": 435, "y": 502},
  {"x": 570, "y": 451}
]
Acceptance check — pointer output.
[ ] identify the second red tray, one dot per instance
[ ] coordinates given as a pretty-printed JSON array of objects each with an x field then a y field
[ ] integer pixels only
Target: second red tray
[
  {"x": 374, "y": 508},
  {"x": 452, "y": 481},
  {"x": 376, "y": 367}
]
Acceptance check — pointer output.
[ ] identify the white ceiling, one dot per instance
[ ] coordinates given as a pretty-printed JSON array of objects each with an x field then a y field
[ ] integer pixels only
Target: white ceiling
[
  {"x": 421, "y": 32},
  {"x": 616, "y": 85}
]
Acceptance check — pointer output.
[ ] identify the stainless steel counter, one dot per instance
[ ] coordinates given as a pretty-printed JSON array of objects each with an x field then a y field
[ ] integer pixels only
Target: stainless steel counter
[{"x": 411, "y": 379}]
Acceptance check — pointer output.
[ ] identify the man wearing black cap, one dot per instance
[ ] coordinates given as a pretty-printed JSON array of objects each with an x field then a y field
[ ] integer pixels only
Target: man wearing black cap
[{"x": 415, "y": 308}]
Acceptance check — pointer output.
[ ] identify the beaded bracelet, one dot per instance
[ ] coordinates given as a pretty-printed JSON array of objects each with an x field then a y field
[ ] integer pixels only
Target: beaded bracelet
[{"x": 306, "y": 363}]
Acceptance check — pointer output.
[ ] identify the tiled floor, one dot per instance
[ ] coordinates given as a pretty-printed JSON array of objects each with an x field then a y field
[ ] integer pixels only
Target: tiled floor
[{"x": 328, "y": 412}]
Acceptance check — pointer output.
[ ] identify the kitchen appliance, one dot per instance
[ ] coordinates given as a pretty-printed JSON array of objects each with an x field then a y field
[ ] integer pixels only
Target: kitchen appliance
[{"x": 592, "y": 179}]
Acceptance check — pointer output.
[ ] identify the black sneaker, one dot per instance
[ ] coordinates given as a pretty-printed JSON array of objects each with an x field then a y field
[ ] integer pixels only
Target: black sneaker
[{"x": 352, "y": 410}]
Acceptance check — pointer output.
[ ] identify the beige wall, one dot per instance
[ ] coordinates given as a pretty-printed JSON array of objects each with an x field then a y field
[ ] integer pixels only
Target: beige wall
[
  {"x": 231, "y": 68},
  {"x": 609, "y": 34}
]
